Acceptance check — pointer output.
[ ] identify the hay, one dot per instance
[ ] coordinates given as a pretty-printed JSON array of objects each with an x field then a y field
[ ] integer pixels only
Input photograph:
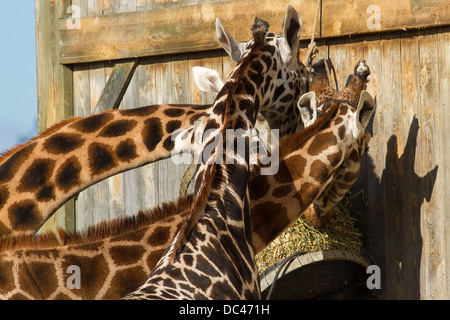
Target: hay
[{"x": 339, "y": 233}]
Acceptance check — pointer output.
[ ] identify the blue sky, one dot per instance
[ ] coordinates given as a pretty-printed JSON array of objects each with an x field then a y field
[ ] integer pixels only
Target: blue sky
[{"x": 18, "y": 93}]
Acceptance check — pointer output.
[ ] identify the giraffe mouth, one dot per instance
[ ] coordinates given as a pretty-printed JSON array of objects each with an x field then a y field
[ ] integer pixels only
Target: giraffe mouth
[{"x": 362, "y": 70}]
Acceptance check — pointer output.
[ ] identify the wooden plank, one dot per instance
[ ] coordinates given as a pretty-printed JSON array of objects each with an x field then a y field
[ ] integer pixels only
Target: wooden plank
[
  {"x": 372, "y": 220},
  {"x": 340, "y": 65},
  {"x": 367, "y": 16},
  {"x": 390, "y": 201},
  {"x": 407, "y": 151},
  {"x": 431, "y": 187},
  {"x": 81, "y": 7},
  {"x": 120, "y": 6},
  {"x": 192, "y": 28},
  {"x": 444, "y": 165},
  {"x": 116, "y": 86},
  {"x": 54, "y": 85},
  {"x": 148, "y": 178},
  {"x": 391, "y": 180},
  {"x": 124, "y": 188},
  {"x": 164, "y": 189},
  {"x": 100, "y": 192},
  {"x": 82, "y": 108},
  {"x": 94, "y": 7}
]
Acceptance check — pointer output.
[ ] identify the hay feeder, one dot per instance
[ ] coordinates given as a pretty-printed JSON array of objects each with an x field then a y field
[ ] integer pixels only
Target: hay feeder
[{"x": 305, "y": 263}]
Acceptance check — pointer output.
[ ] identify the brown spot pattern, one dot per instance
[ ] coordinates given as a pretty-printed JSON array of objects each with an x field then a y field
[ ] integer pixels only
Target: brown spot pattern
[
  {"x": 37, "y": 175},
  {"x": 9, "y": 168},
  {"x": 92, "y": 123},
  {"x": 68, "y": 174},
  {"x": 124, "y": 255},
  {"x": 126, "y": 150},
  {"x": 118, "y": 128},
  {"x": 321, "y": 142},
  {"x": 152, "y": 133},
  {"x": 101, "y": 158},
  {"x": 23, "y": 215},
  {"x": 62, "y": 143}
]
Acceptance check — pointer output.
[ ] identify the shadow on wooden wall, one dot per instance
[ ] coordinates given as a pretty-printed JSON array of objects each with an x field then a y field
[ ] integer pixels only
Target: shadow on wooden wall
[{"x": 390, "y": 219}]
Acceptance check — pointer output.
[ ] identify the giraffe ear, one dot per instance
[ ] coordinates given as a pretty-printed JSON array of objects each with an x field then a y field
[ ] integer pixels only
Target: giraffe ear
[
  {"x": 307, "y": 104},
  {"x": 365, "y": 109},
  {"x": 291, "y": 28},
  {"x": 233, "y": 48},
  {"x": 207, "y": 80}
]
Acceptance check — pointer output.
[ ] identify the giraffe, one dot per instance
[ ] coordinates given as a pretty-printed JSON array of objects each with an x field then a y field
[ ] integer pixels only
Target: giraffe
[
  {"x": 285, "y": 117},
  {"x": 36, "y": 177},
  {"x": 113, "y": 258},
  {"x": 339, "y": 179},
  {"x": 130, "y": 248},
  {"x": 212, "y": 255}
]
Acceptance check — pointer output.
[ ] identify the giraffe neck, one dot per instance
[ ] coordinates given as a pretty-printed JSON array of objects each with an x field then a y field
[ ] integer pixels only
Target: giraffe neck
[
  {"x": 320, "y": 212},
  {"x": 217, "y": 229},
  {"x": 113, "y": 258},
  {"x": 310, "y": 179},
  {"x": 49, "y": 170}
]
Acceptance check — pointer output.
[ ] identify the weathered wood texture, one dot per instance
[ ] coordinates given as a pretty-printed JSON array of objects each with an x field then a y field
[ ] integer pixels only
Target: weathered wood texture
[
  {"x": 54, "y": 85},
  {"x": 116, "y": 86},
  {"x": 401, "y": 194},
  {"x": 186, "y": 28},
  {"x": 405, "y": 202}
]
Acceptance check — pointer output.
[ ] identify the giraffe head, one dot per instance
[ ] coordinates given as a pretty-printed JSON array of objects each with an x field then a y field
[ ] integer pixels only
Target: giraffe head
[
  {"x": 356, "y": 108},
  {"x": 291, "y": 80},
  {"x": 250, "y": 88}
]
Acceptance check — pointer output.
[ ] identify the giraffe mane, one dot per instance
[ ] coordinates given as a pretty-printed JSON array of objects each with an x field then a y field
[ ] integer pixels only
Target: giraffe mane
[
  {"x": 102, "y": 230},
  {"x": 9, "y": 152}
]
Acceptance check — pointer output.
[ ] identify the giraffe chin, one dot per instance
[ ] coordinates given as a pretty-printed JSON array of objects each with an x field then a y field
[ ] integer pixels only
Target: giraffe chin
[{"x": 316, "y": 217}]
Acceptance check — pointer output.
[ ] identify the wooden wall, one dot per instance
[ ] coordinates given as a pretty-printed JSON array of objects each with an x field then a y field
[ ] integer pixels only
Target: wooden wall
[
  {"x": 403, "y": 209},
  {"x": 404, "y": 205}
]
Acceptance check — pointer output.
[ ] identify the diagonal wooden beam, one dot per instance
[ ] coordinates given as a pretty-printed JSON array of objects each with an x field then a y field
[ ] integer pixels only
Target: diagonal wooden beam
[{"x": 116, "y": 86}]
